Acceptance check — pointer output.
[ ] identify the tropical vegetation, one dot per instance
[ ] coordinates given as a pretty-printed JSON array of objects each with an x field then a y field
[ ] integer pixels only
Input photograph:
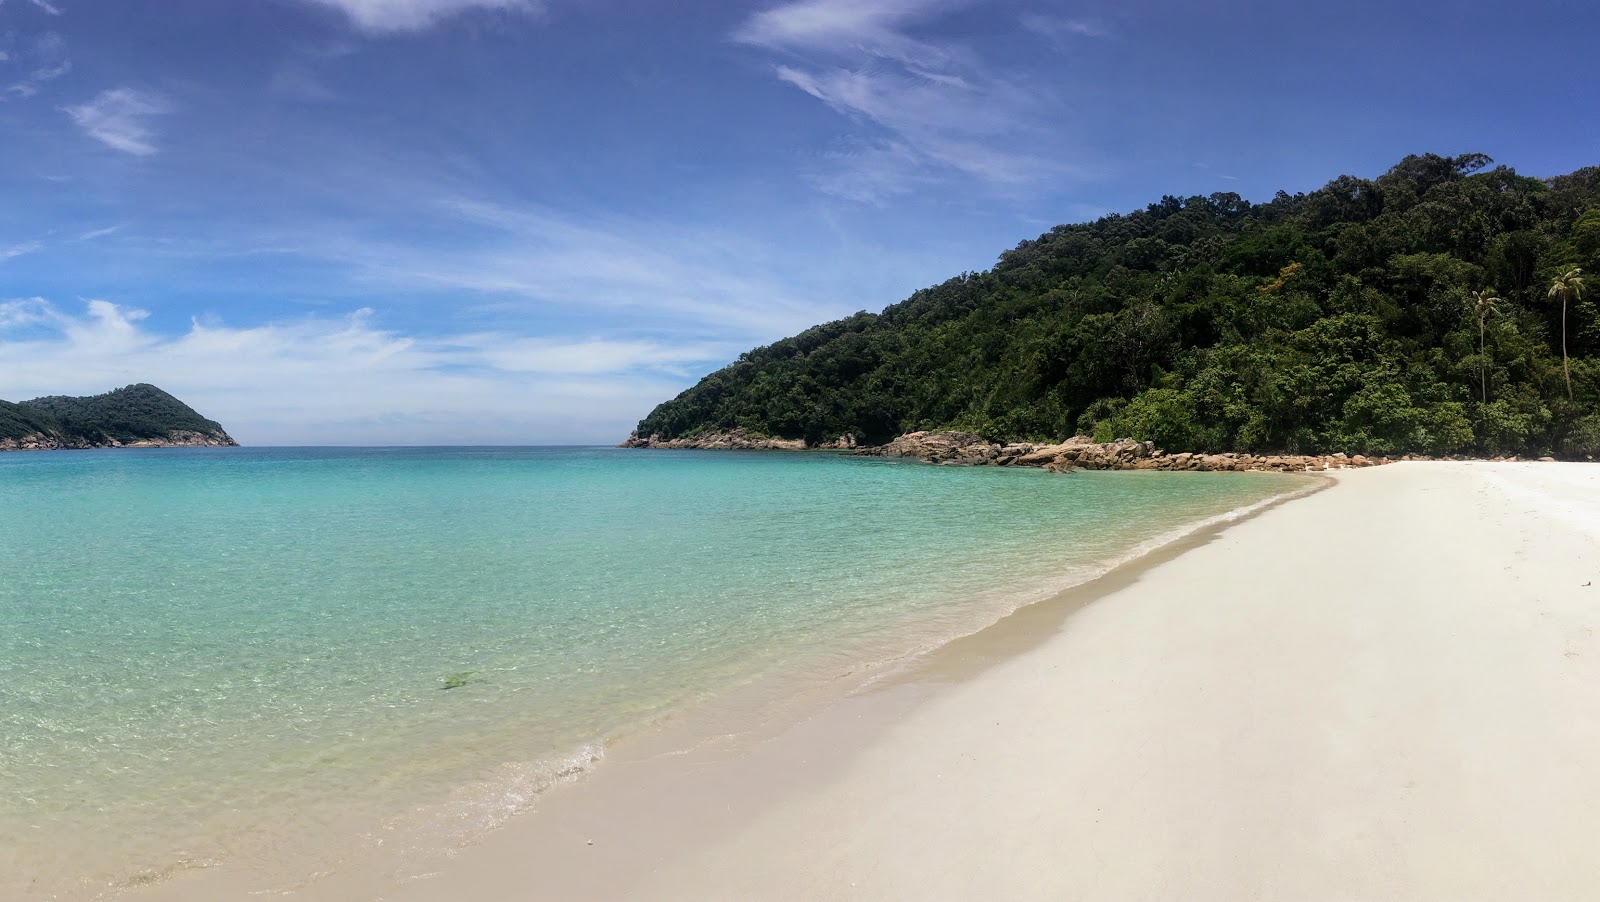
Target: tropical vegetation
[
  {"x": 1438, "y": 308},
  {"x": 129, "y": 414}
]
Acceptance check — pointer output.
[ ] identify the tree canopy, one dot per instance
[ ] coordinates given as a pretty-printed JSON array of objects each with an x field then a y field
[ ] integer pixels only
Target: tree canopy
[
  {"x": 132, "y": 413},
  {"x": 1340, "y": 320}
]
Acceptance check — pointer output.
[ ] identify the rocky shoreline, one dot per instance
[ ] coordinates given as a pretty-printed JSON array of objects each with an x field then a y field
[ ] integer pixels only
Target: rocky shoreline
[
  {"x": 735, "y": 440},
  {"x": 1084, "y": 453},
  {"x": 965, "y": 449},
  {"x": 177, "y": 438}
]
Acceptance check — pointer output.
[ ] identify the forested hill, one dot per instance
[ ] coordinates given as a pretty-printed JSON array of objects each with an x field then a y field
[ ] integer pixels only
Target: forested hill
[
  {"x": 136, "y": 414},
  {"x": 1347, "y": 319}
]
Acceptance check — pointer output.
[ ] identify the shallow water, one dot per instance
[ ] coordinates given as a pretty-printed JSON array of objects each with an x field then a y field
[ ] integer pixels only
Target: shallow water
[{"x": 200, "y": 646}]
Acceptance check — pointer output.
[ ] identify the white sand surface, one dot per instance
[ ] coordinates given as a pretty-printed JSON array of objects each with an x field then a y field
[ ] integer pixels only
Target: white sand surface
[{"x": 1387, "y": 690}]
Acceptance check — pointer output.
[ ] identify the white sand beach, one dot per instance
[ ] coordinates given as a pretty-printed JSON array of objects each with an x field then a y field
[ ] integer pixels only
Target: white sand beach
[{"x": 1389, "y": 689}]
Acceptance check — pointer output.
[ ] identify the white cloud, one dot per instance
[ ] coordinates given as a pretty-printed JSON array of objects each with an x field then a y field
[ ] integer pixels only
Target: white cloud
[
  {"x": 17, "y": 250},
  {"x": 118, "y": 119},
  {"x": 869, "y": 171},
  {"x": 23, "y": 312},
  {"x": 46, "y": 59},
  {"x": 840, "y": 25},
  {"x": 1060, "y": 31},
  {"x": 389, "y": 16},
  {"x": 535, "y": 328},
  {"x": 929, "y": 108},
  {"x": 585, "y": 356},
  {"x": 348, "y": 380},
  {"x": 509, "y": 257},
  {"x": 92, "y": 234}
]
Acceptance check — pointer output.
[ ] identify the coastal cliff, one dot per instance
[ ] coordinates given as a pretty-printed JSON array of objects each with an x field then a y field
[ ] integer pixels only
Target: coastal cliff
[{"x": 135, "y": 416}]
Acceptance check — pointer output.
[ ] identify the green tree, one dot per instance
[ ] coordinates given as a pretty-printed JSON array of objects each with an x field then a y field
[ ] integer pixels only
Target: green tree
[
  {"x": 1568, "y": 286},
  {"x": 1483, "y": 306}
]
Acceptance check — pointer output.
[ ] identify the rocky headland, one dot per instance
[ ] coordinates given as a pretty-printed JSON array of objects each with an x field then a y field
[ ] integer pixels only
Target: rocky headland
[{"x": 136, "y": 416}]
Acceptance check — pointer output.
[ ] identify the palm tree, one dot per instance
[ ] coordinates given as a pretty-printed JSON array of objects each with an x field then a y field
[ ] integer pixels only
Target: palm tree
[
  {"x": 1483, "y": 304},
  {"x": 1569, "y": 287}
]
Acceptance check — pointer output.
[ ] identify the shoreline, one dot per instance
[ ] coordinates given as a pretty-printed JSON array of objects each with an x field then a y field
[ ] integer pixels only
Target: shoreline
[
  {"x": 730, "y": 724},
  {"x": 1424, "y": 737},
  {"x": 966, "y": 449},
  {"x": 45, "y": 443},
  {"x": 617, "y": 822}
]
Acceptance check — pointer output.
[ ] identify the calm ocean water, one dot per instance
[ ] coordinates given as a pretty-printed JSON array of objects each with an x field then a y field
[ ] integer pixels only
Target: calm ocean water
[{"x": 241, "y": 655}]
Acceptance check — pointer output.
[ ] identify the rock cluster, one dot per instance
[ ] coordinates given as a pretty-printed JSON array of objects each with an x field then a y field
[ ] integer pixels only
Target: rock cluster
[
  {"x": 40, "y": 441},
  {"x": 955, "y": 448},
  {"x": 732, "y": 440},
  {"x": 1082, "y": 452},
  {"x": 181, "y": 438},
  {"x": 177, "y": 438},
  {"x": 966, "y": 449}
]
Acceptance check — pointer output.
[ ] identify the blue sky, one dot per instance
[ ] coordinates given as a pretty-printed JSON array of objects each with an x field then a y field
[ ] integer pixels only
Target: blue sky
[{"x": 527, "y": 221}]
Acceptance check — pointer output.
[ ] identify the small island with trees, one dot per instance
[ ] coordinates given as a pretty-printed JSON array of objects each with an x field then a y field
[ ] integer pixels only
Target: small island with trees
[
  {"x": 135, "y": 416},
  {"x": 1440, "y": 309}
]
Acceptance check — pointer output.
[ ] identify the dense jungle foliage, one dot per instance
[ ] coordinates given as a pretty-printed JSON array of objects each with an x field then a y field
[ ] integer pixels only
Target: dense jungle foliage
[
  {"x": 1418, "y": 312},
  {"x": 126, "y": 414},
  {"x": 18, "y": 422}
]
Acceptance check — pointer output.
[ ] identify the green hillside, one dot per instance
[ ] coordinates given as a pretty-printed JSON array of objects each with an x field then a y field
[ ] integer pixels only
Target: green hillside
[
  {"x": 1346, "y": 319},
  {"x": 19, "y": 422},
  {"x": 134, "y": 413}
]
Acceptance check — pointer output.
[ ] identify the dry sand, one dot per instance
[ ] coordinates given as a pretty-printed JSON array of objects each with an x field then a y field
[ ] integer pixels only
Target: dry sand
[{"x": 1386, "y": 690}]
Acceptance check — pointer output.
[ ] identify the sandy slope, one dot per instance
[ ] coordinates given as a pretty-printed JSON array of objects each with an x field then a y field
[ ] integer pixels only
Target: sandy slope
[{"x": 1388, "y": 690}]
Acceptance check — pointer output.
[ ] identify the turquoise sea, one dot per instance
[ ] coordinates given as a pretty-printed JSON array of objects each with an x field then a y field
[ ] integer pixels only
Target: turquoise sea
[{"x": 242, "y": 655}]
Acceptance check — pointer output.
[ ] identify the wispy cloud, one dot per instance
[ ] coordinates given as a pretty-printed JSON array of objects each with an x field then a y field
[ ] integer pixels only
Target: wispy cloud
[
  {"x": 45, "y": 58},
  {"x": 17, "y": 250},
  {"x": 119, "y": 118},
  {"x": 299, "y": 76},
  {"x": 348, "y": 379},
  {"x": 504, "y": 257},
  {"x": 93, "y": 234},
  {"x": 1061, "y": 32},
  {"x": 523, "y": 323},
  {"x": 928, "y": 108},
  {"x": 390, "y": 16},
  {"x": 841, "y": 25},
  {"x": 23, "y": 248},
  {"x": 1207, "y": 167},
  {"x": 15, "y": 314}
]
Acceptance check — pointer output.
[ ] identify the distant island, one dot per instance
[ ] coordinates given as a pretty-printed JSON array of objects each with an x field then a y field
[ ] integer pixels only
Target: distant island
[
  {"x": 136, "y": 416},
  {"x": 1438, "y": 309}
]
